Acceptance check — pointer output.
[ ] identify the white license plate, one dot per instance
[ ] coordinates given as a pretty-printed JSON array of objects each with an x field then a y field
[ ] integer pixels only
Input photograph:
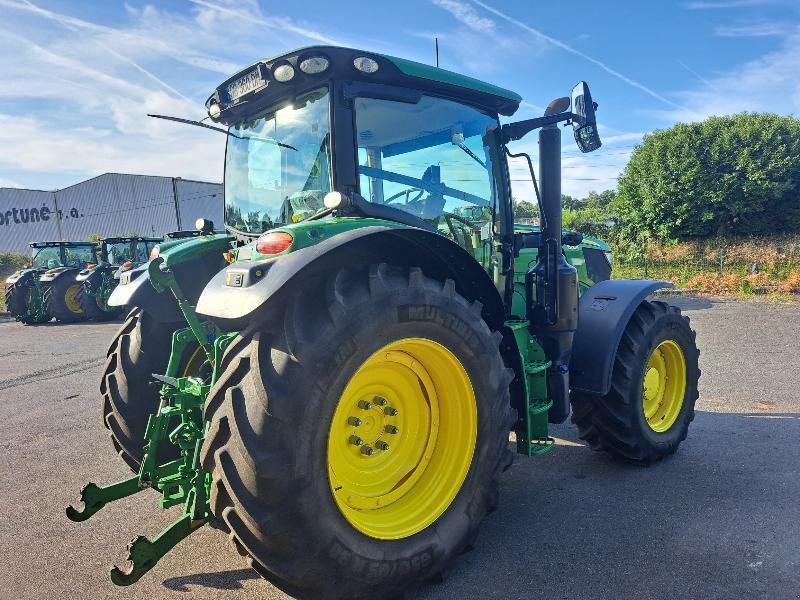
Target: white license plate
[{"x": 245, "y": 84}]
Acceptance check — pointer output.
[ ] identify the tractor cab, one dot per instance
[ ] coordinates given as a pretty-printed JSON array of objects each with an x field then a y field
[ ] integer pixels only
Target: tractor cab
[
  {"x": 332, "y": 132},
  {"x": 117, "y": 251},
  {"x": 53, "y": 255}
]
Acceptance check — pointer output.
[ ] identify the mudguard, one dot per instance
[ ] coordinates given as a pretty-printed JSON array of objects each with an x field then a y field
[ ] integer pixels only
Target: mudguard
[
  {"x": 238, "y": 294},
  {"x": 52, "y": 274},
  {"x": 134, "y": 289},
  {"x": 93, "y": 276},
  {"x": 603, "y": 313},
  {"x": 22, "y": 274},
  {"x": 188, "y": 260}
]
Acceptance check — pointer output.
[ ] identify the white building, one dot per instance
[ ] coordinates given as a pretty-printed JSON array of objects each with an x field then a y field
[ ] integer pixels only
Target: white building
[{"x": 107, "y": 205}]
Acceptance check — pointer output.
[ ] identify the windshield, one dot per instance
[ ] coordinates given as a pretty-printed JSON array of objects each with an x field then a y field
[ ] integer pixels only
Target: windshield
[
  {"x": 429, "y": 159},
  {"x": 277, "y": 165},
  {"x": 119, "y": 252},
  {"x": 78, "y": 256},
  {"x": 47, "y": 258}
]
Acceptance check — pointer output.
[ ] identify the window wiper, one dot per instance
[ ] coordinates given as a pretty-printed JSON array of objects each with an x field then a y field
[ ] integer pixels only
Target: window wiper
[
  {"x": 220, "y": 129},
  {"x": 471, "y": 153}
]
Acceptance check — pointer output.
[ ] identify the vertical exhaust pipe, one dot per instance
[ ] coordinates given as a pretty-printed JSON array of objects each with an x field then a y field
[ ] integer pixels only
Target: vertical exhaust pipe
[{"x": 552, "y": 283}]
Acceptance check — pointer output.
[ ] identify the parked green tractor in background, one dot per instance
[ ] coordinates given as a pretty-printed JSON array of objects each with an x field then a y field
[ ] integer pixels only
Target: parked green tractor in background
[
  {"x": 339, "y": 398},
  {"x": 49, "y": 287},
  {"x": 98, "y": 280}
]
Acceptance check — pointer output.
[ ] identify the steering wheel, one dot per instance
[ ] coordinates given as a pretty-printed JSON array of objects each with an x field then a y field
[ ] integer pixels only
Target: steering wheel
[{"x": 407, "y": 192}]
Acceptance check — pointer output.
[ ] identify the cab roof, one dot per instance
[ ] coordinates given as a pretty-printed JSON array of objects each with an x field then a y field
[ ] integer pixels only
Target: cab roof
[
  {"x": 57, "y": 244},
  {"x": 393, "y": 71}
]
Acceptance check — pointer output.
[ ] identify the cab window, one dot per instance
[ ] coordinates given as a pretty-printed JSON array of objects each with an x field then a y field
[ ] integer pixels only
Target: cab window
[{"x": 429, "y": 159}]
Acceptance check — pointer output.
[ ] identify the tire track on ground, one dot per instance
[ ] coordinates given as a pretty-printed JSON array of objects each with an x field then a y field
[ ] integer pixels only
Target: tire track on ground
[{"x": 52, "y": 372}]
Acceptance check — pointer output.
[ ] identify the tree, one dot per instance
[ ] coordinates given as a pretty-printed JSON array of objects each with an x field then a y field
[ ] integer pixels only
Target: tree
[
  {"x": 525, "y": 210},
  {"x": 726, "y": 175}
]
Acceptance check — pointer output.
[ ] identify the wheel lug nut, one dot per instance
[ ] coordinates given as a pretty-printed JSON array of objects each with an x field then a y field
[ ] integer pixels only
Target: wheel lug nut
[
  {"x": 379, "y": 400},
  {"x": 392, "y": 412},
  {"x": 366, "y": 450},
  {"x": 391, "y": 429},
  {"x": 355, "y": 440},
  {"x": 365, "y": 404},
  {"x": 354, "y": 421},
  {"x": 381, "y": 445}
]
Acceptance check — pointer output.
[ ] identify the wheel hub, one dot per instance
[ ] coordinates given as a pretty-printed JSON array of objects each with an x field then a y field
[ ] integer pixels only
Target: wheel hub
[
  {"x": 402, "y": 438},
  {"x": 664, "y": 386}
]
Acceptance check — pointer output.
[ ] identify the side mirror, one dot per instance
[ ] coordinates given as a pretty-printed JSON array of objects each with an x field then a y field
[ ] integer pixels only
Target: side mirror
[{"x": 584, "y": 123}]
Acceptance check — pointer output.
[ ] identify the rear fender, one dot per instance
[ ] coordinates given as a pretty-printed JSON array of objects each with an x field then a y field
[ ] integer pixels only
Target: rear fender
[
  {"x": 603, "y": 314},
  {"x": 93, "y": 276},
  {"x": 51, "y": 275},
  {"x": 22, "y": 275},
  {"x": 193, "y": 261},
  {"x": 242, "y": 292}
]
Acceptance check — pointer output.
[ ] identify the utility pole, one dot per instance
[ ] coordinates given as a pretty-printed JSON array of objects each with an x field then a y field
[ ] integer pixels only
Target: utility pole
[{"x": 436, "y": 42}]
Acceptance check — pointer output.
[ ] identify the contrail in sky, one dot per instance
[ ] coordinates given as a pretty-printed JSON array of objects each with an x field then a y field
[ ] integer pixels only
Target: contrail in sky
[
  {"x": 577, "y": 52},
  {"x": 76, "y": 24}
]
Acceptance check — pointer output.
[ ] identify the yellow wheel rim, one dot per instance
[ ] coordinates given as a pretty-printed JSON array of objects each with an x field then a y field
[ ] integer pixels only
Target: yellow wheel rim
[
  {"x": 195, "y": 363},
  {"x": 402, "y": 438},
  {"x": 664, "y": 386},
  {"x": 71, "y": 298}
]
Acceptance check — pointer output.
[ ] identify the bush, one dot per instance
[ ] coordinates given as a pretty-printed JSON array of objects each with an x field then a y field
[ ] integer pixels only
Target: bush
[{"x": 10, "y": 262}]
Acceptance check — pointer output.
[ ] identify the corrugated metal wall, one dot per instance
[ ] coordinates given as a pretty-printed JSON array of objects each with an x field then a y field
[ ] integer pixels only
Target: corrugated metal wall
[
  {"x": 26, "y": 216},
  {"x": 197, "y": 199},
  {"x": 107, "y": 205}
]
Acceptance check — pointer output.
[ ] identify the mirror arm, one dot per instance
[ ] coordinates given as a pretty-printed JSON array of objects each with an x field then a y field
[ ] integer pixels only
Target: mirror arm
[{"x": 516, "y": 131}]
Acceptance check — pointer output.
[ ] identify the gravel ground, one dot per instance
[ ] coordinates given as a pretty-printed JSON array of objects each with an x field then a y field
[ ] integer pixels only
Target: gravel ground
[{"x": 718, "y": 520}]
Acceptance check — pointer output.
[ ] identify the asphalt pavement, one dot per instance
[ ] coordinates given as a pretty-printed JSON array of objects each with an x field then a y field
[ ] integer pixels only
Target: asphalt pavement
[{"x": 719, "y": 520}]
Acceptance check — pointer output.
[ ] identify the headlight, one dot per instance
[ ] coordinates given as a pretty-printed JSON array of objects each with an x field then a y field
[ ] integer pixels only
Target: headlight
[
  {"x": 365, "y": 64},
  {"x": 283, "y": 73},
  {"x": 314, "y": 64}
]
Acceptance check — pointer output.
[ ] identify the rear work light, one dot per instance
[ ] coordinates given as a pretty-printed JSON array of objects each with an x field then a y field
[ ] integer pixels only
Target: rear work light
[
  {"x": 273, "y": 242},
  {"x": 154, "y": 252}
]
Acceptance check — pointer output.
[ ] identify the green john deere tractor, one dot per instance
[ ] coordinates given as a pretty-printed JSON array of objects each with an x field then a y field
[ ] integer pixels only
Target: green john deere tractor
[
  {"x": 339, "y": 397},
  {"x": 49, "y": 288},
  {"x": 98, "y": 280}
]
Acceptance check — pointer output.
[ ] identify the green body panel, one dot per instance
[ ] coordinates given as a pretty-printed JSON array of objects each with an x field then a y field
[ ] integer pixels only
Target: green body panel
[
  {"x": 308, "y": 233},
  {"x": 527, "y": 258},
  {"x": 423, "y": 71},
  {"x": 185, "y": 250},
  {"x": 532, "y": 427}
]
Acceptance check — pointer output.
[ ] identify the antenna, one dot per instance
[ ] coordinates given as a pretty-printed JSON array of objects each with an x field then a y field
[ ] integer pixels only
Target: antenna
[{"x": 436, "y": 41}]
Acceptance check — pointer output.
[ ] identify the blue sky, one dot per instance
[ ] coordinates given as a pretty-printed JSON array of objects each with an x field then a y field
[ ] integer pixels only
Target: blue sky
[{"x": 78, "y": 77}]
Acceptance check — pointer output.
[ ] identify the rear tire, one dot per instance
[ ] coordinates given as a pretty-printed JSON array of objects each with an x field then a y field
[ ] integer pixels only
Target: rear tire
[
  {"x": 616, "y": 423},
  {"x": 62, "y": 298},
  {"x": 270, "y": 417},
  {"x": 95, "y": 308},
  {"x": 141, "y": 347},
  {"x": 17, "y": 299}
]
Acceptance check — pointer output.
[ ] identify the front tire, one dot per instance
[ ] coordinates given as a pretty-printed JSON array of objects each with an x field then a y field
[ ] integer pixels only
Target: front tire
[
  {"x": 141, "y": 347},
  {"x": 95, "y": 308},
  {"x": 280, "y": 442},
  {"x": 646, "y": 414},
  {"x": 62, "y": 297}
]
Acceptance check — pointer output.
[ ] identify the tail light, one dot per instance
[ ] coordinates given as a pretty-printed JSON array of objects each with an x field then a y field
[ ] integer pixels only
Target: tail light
[
  {"x": 154, "y": 253},
  {"x": 90, "y": 266},
  {"x": 127, "y": 264},
  {"x": 273, "y": 242}
]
